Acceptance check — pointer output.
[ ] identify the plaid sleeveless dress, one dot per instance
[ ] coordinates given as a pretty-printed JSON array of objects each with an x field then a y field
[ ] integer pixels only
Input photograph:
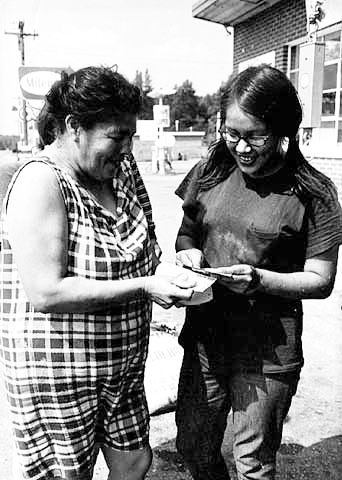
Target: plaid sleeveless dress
[{"x": 76, "y": 379}]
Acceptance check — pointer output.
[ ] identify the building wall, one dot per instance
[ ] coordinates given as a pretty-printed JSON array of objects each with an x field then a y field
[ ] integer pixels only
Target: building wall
[
  {"x": 333, "y": 169},
  {"x": 190, "y": 147},
  {"x": 142, "y": 149},
  {"x": 270, "y": 31}
]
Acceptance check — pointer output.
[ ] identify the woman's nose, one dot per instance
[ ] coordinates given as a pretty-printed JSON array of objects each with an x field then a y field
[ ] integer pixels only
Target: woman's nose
[{"x": 242, "y": 146}]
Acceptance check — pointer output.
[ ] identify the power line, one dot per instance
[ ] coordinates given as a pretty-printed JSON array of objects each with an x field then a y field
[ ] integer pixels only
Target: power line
[{"x": 21, "y": 45}]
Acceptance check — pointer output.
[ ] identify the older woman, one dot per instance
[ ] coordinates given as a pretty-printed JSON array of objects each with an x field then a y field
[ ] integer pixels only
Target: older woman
[
  {"x": 77, "y": 284},
  {"x": 257, "y": 212}
]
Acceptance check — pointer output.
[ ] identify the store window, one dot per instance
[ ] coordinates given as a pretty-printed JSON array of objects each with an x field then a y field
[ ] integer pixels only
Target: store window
[
  {"x": 294, "y": 65},
  {"x": 332, "y": 83},
  {"x": 332, "y": 80}
]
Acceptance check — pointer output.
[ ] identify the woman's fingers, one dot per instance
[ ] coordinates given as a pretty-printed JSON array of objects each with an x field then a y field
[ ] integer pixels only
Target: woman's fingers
[
  {"x": 192, "y": 257},
  {"x": 184, "y": 281},
  {"x": 239, "y": 278}
]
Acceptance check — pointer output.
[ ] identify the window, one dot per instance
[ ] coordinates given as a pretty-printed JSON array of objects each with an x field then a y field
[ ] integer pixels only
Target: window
[
  {"x": 294, "y": 65},
  {"x": 339, "y": 133},
  {"x": 332, "y": 83},
  {"x": 332, "y": 78},
  {"x": 328, "y": 103}
]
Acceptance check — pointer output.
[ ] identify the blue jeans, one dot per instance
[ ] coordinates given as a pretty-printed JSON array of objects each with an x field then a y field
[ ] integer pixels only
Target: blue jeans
[{"x": 259, "y": 404}]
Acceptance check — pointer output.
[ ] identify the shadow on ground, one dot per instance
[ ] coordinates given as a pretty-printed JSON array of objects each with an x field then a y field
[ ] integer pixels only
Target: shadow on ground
[{"x": 320, "y": 461}]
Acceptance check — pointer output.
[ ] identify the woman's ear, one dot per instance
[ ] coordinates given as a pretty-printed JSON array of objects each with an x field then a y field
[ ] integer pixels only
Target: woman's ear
[
  {"x": 72, "y": 127},
  {"x": 284, "y": 145}
]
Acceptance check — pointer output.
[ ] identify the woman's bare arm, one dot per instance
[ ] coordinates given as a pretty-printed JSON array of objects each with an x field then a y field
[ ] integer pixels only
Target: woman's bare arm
[
  {"x": 38, "y": 233},
  {"x": 315, "y": 281}
]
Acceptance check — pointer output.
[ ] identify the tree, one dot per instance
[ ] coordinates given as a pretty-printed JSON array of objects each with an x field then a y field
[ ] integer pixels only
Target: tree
[
  {"x": 8, "y": 142},
  {"x": 145, "y": 86},
  {"x": 138, "y": 80},
  {"x": 191, "y": 111},
  {"x": 184, "y": 106},
  {"x": 210, "y": 105}
]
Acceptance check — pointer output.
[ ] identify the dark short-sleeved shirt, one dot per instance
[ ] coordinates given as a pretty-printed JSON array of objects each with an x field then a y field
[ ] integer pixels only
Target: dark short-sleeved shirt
[{"x": 264, "y": 224}]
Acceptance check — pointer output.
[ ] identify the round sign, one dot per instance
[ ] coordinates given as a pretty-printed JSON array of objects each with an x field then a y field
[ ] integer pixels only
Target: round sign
[{"x": 38, "y": 83}]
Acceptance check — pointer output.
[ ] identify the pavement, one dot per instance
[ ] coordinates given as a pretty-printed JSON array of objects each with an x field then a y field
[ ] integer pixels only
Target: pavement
[{"x": 312, "y": 439}]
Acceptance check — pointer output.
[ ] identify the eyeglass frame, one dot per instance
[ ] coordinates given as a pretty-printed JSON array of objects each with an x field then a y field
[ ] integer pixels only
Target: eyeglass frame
[{"x": 246, "y": 138}]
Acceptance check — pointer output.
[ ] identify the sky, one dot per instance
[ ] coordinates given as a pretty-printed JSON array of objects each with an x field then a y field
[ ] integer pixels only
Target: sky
[{"x": 159, "y": 35}]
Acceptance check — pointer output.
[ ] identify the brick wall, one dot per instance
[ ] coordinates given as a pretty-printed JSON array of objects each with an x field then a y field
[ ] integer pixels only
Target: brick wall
[
  {"x": 332, "y": 167},
  {"x": 270, "y": 30}
]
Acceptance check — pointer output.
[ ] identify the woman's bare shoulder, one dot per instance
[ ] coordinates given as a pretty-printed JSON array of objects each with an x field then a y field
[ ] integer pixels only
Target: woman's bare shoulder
[{"x": 37, "y": 184}]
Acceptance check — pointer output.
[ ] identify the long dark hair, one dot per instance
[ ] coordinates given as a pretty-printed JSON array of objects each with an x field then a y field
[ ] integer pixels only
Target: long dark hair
[
  {"x": 267, "y": 94},
  {"x": 90, "y": 95}
]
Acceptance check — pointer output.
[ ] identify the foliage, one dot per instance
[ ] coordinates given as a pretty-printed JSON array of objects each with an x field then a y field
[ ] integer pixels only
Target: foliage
[
  {"x": 145, "y": 85},
  {"x": 184, "y": 106},
  {"x": 189, "y": 111},
  {"x": 8, "y": 142},
  {"x": 211, "y": 104}
]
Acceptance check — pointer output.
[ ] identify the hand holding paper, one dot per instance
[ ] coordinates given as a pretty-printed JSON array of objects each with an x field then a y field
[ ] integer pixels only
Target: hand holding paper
[{"x": 202, "y": 290}]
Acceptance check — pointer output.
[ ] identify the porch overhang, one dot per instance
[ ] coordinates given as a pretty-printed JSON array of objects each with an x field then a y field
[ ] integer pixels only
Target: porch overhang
[{"x": 230, "y": 12}]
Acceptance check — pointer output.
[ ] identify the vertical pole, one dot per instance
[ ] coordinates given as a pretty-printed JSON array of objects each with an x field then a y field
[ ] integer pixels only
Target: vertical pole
[
  {"x": 22, "y": 53},
  {"x": 161, "y": 145},
  {"x": 21, "y": 35}
]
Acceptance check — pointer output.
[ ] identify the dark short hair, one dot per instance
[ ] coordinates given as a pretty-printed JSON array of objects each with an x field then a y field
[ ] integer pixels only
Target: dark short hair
[
  {"x": 267, "y": 94},
  {"x": 90, "y": 95}
]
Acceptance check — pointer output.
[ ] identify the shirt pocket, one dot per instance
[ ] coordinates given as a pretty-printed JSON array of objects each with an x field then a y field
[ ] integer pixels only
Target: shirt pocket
[
  {"x": 263, "y": 233},
  {"x": 262, "y": 242}
]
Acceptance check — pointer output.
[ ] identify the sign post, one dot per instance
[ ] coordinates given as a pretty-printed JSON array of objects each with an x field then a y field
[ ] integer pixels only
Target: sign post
[{"x": 161, "y": 116}]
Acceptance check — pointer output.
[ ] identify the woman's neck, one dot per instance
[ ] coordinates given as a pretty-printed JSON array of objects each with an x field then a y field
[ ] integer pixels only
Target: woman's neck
[
  {"x": 65, "y": 158},
  {"x": 62, "y": 155}
]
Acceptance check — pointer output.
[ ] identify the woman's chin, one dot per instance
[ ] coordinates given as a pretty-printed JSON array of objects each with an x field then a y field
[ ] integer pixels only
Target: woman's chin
[{"x": 249, "y": 168}]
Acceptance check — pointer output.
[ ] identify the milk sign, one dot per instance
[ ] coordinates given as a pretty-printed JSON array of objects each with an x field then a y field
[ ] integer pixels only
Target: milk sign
[{"x": 35, "y": 82}]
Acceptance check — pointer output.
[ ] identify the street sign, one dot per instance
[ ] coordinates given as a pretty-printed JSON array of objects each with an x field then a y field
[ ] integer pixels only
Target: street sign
[
  {"x": 35, "y": 82},
  {"x": 161, "y": 115}
]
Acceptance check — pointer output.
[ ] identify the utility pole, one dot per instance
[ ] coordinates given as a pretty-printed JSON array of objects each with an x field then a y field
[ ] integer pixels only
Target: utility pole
[{"x": 21, "y": 36}]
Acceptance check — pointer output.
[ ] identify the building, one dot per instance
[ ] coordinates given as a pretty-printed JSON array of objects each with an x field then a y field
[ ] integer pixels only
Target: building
[
  {"x": 185, "y": 144},
  {"x": 274, "y": 32}
]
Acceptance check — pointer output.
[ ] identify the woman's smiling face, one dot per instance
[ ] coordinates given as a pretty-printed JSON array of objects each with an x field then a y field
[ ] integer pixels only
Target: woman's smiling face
[
  {"x": 254, "y": 161},
  {"x": 104, "y": 146}
]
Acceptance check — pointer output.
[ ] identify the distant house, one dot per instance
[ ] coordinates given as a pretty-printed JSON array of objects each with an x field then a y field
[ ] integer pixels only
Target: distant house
[
  {"x": 273, "y": 31},
  {"x": 187, "y": 144}
]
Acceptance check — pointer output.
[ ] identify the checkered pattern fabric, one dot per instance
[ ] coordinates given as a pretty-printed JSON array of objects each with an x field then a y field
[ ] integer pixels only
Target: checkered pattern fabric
[
  {"x": 76, "y": 379},
  {"x": 142, "y": 195}
]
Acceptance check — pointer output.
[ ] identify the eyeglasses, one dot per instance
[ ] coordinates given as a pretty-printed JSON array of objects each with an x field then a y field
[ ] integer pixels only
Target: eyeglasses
[{"x": 254, "y": 141}]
